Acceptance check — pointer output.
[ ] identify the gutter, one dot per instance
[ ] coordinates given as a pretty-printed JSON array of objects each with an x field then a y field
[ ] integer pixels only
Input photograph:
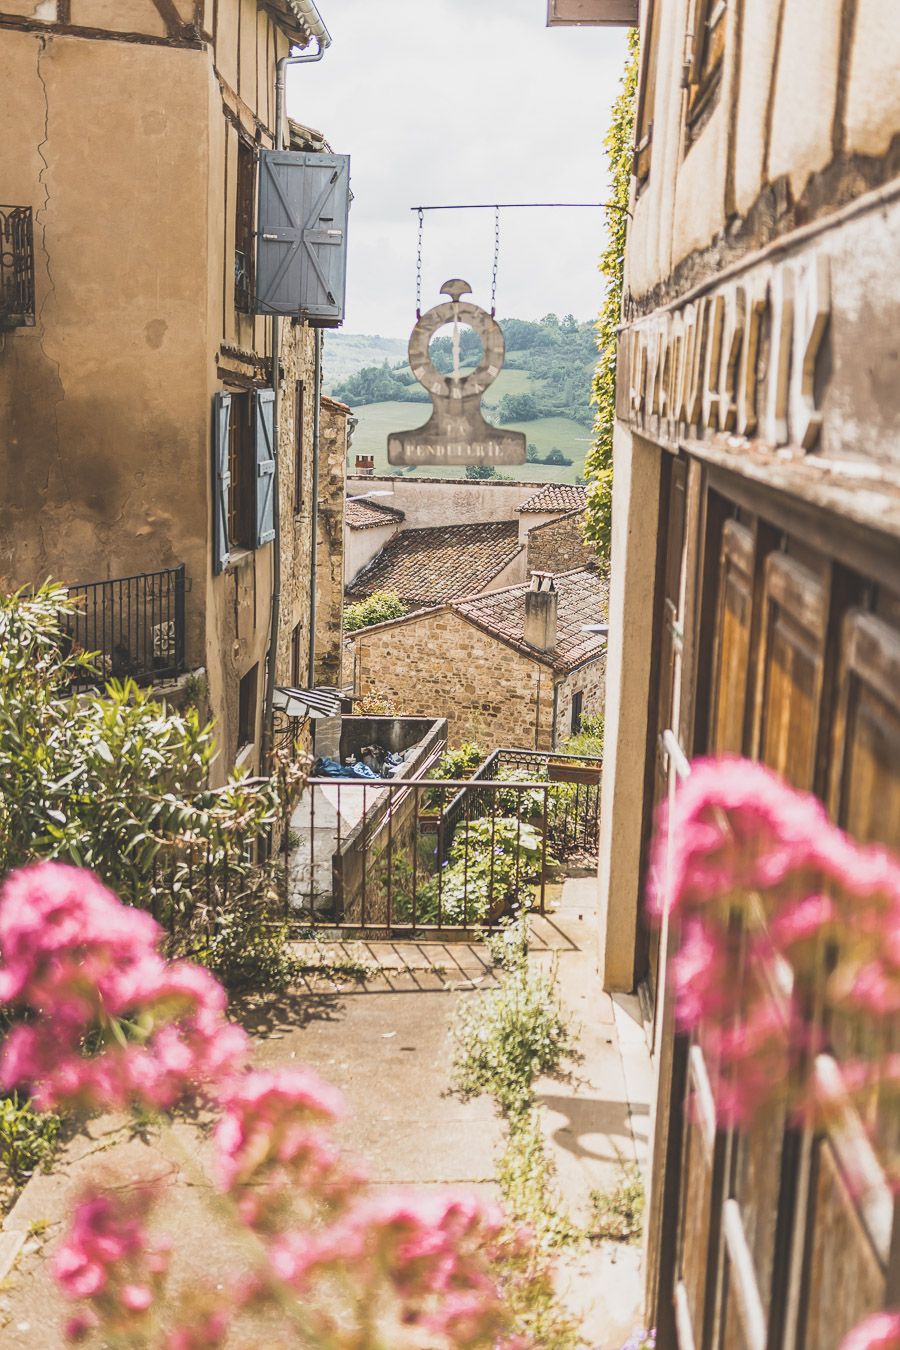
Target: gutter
[{"x": 308, "y": 13}]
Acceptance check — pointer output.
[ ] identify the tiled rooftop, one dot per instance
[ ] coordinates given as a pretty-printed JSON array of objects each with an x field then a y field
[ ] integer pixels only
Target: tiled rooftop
[
  {"x": 557, "y": 497},
  {"x": 583, "y": 598},
  {"x": 433, "y": 565},
  {"x": 366, "y": 515}
]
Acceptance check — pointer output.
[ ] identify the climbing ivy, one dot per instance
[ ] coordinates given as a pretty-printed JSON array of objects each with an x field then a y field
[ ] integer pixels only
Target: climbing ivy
[{"x": 598, "y": 465}]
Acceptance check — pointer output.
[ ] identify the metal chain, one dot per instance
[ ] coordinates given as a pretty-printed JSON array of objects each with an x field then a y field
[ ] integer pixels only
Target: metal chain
[
  {"x": 496, "y": 261},
  {"x": 419, "y": 265}
]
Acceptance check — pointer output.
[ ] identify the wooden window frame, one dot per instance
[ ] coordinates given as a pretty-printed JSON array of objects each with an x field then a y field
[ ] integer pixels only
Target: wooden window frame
[
  {"x": 244, "y": 226},
  {"x": 643, "y": 122},
  {"x": 296, "y": 654},
  {"x": 576, "y": 717},
  {"x": 242, "y": 470},
  {"x": 247, "y": 700},
  {"x": 704, "y": 62},
  {"x": 299, "y": 410}
]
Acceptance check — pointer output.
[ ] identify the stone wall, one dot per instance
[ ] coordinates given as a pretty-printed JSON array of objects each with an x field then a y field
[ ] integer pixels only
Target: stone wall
[
  {"x": 559, "y": 545},
  {"x": 330, "y": 553},
  {"x": 444, "y": 501},
  {"x": 590, "y": 681},
  {"x": 436, "y": 664},
  {"x": 298, "y": 362}
]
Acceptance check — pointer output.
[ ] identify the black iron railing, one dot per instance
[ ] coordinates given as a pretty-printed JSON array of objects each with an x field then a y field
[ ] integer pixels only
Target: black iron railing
[
  {"x": 16, "y": 268},
  {"x": 419, "y": 855},
  {"x": 135, "y": 625}
]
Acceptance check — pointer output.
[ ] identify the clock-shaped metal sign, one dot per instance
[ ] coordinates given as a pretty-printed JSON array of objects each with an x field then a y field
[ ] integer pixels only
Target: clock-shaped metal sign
[{"x": 456, "y": 432}]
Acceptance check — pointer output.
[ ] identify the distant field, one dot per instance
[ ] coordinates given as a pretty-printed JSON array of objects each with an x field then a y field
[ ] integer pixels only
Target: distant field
[{"x": 378, "y": 420}]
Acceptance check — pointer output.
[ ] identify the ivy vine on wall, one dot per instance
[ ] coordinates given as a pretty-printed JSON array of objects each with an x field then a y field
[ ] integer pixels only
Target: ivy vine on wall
[{"x": 619, "y": 145}]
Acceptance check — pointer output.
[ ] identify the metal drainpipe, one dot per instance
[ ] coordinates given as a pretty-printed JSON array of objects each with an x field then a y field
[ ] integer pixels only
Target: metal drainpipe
[
  {"x": 314, "y": 500},
  {"x": 317, "y": 29}
]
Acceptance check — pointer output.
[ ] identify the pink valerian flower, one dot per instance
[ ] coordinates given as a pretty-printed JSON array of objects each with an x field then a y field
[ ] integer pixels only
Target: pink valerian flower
[
  {"x": 108, "y": 1262},
  {"x": 881, "y": 1331},
  {"x": 699, "y": 974},
  {"x": 88, "y": 964},
  {"x": 272, "y": 1149}
]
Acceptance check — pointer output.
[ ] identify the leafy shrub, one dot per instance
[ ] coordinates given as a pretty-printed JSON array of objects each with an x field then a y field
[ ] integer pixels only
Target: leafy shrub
[
  {"x": 588, "y": 740},
  {"x": 508, "y": 945},
  {"x": 617, "y": 1215},
  {"x": 27, "y": 1137},
  {"x": 556, "y": 456},
  {"x": 526, "y": 1177},
  {"x": 246, "y": 950},
  {"x": 373, "y": 704},
  {"x": 491, "y": 862},
  {"x": 375, "y": 608},
  {"x": 460, "y": 762},
  {"x": 506, "y": 1039}
]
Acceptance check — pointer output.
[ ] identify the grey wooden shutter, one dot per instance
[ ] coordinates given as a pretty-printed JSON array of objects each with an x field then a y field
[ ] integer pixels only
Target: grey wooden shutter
[
  {"x": 264, "y": 448},
  {"x": 301, "y": 256},
  {"x": 221, "y": 480}
]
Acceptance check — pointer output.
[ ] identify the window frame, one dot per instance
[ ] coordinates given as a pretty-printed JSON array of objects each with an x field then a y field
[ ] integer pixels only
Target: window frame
[
  {"x": 704, "y": 63},
  {"x": 576, "y": 715},
  {"x": 299, "y": 414},
  {"x": 248, "y": 691},
  {"x": 643, "y": 122},
  {"x": 244, "y": 225},
  {"x": 296, "y": 654},
  {"x": 242, "y": 472}
]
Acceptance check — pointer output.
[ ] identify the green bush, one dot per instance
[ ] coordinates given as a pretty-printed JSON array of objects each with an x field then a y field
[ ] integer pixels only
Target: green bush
[
  {"x": 375, "y": 608},
  {"x": 460, "y": 762},
  {"x": 617, "y": 1215},
  {"x": 491, "y": 862},
  {"x": 27, "y": 1137},
  {"x": 588, "y": 740},
  {"x": 508, "y": 1038}
]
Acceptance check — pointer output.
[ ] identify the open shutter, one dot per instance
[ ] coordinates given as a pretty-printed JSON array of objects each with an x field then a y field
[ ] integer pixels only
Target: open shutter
[
  {"x": 264, "y": 450},
  {"x": 221, "y": 480},
  {"x": 301, "y": 256}
]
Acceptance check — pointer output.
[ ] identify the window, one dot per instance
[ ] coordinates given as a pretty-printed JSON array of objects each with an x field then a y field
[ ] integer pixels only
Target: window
[
  {"x": 704, "y": 50},
  {"x": 243, "y": 226},
  {"x": 296, "y": 655},
  {"x": 241, "y": 467},
  {"x": 247, "y": 708},
  {"x": 298, "y": 446},
  {"x": 577, "y": 701},
  {"x": 643, "y": 126}
]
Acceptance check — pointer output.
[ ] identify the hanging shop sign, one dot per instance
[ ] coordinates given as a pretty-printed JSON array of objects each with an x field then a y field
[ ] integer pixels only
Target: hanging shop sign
[{"x": 456, "y": 433}]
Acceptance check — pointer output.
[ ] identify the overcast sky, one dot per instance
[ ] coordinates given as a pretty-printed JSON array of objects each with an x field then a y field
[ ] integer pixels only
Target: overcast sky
[{"x": 464, "y": 101}]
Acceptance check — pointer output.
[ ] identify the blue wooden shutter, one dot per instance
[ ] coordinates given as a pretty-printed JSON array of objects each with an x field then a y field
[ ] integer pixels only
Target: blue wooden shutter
[
  {"x": 301, "y": 254},
  {"x": 264, "y": 446},
  {"x": 221, "y": 480}
]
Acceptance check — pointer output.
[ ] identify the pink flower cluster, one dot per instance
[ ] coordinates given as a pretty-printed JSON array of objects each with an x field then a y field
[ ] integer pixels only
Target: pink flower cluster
[
  {"x": 108, "y": 1261},
  {"x": 110, "y": 1023},
  {"x": 742, "y": 844},
  {"x": 113, "y": 1023},
  {"x": 272, "y": 1148},
  {"x": 881, "y": 1331}
]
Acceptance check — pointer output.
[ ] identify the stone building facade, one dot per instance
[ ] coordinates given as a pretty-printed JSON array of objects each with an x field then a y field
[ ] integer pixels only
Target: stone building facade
[
  {"x": 136, "y": 145},
  {"x": 756, "y": 583},
  {"x": 557, "y": 545},
  {"x": 469, "y": 661}
]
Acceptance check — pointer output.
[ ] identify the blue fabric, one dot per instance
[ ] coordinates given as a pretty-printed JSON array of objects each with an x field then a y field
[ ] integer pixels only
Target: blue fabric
[{"x": 330, "y": 768}]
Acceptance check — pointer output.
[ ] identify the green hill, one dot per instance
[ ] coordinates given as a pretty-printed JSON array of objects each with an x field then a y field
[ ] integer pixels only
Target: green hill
[{"x": 543, "y": 391}]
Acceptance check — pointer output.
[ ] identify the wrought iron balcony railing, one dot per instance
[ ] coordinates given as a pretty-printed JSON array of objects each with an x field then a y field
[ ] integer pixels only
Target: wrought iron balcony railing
[
  {"x": 16, "y": 268},
  {"x": 413, "y": 855},
  {"x": 135, "y": 625}
]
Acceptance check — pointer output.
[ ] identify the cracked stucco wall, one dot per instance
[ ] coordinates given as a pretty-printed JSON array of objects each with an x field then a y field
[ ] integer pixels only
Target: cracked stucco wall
[{"x": 103, "y": 403}]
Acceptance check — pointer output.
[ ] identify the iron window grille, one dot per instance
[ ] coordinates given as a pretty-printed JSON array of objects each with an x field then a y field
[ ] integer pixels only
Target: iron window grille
[{"x": 16, "y": 268}]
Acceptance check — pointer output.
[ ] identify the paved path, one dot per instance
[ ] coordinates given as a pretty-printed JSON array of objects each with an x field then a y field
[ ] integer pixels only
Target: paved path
[{"x": 384, "y": 1041}]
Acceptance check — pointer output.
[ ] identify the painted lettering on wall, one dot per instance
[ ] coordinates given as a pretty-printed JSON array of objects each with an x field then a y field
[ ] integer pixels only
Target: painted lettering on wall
[{"x": 742, "y": 360}]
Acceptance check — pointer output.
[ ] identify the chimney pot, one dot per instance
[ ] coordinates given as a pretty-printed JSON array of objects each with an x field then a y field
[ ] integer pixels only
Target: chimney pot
[{"x": 365, "y": 466}]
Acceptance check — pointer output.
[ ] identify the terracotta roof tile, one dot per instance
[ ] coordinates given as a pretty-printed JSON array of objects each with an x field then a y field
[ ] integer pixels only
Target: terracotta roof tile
[
  {"x": 366, "y": 515},
  {"x": 583, "y": 598},
  {"x": 433, "y": 565},
  {"x": 557, "y": 497}
]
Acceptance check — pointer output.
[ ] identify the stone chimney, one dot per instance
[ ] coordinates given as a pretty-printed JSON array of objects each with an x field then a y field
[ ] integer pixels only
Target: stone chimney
[
  {"x": 365, "y": 466},
  {"x": 540, "y": 612}
]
